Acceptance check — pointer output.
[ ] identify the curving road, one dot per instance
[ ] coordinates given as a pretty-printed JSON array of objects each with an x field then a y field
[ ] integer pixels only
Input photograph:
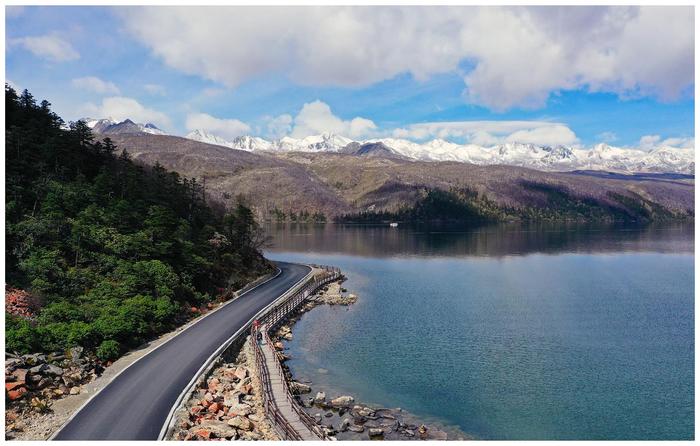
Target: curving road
[{"x": 135, "y": 405}]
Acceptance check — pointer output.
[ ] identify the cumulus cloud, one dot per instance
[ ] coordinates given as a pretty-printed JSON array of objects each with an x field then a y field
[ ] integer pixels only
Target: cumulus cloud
[
  {"x": 95, "y": 84},
  {"x": 225, "y": 128},
  {"x": 680, "y": 142},
  {"x": 316, "y": 117},
  {"x": 651, "y": 142},
  {"x": 491, "y": 132},
  {"x": 120, "y": 108},
  {"x": 518, "y": 56},
  {"x": 50, "y": 47},
  {"x": 278, "y": 126}
]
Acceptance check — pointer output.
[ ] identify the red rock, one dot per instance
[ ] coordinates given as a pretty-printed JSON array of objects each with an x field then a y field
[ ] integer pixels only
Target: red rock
[
  {"x": 17, "y": 394},
  {"x": 20, "y": 303},
  {"x": 214, "y": 408},
  {"x": 247, "y": 389},
  {"x": 196, "y": 409},
  {"x": 203, "y": 433},
  {"x": 14, "y": 385},
  {"x": 213, "y": 384}
]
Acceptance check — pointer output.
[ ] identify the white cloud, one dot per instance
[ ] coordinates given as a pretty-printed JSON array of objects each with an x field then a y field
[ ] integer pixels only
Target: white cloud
[
  {"x": 154, "y": 89},
  {"x": 225, "y": 128},
  {"x": 491, "y": 132},
  {"x": 316, "y": 117},
  {"x": 683, "y": 143},
  {"x": 95, "y": 84},
  {"x": 120, "y": 108},
  {"x": 278, "y": 126},
  {"x": 519, "y": 56},
  {"x": 50, "y": 47},
  {"x": 650, "y": 142},
  {"x": 548, "y": 135}
]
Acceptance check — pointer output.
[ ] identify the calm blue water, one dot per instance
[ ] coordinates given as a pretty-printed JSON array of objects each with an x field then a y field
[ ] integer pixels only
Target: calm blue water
[{"x": 508, "y": 332}]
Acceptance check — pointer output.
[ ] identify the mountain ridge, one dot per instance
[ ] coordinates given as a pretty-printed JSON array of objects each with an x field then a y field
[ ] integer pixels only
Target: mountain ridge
[{"x": 556, "y": 158}]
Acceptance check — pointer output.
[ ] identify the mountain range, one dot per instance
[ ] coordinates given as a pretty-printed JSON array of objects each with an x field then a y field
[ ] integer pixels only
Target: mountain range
[
  {"x": 363, "y": 183},
  {"x": 602, "y": 157}
]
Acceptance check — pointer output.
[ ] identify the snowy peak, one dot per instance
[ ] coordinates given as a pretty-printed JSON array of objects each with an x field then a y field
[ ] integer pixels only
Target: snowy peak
[
  {"x": 206, "y": 137},
  {"x": 540, "y": 157},
  {"x": 112, "y": 126}
]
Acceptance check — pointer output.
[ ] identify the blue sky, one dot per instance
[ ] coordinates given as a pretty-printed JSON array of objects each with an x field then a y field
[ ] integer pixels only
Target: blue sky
[{"x": 495, "y": 74}]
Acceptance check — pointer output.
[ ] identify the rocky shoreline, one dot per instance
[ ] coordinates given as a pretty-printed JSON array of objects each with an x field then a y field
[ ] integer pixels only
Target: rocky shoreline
[{"x": 341, "y": 416}]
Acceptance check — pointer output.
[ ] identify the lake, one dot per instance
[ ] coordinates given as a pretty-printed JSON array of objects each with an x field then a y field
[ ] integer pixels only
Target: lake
[{"x": 507, "y": 332}]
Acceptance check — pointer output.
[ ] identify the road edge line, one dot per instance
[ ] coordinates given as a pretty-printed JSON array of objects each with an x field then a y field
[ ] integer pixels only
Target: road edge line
[
  {"x": 211, "y": 360},
  {"x": 187, "y": 327}
]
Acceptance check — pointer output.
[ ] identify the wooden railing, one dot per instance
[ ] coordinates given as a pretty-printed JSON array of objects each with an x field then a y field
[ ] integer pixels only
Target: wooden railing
[{"x": 271, "y": 320}]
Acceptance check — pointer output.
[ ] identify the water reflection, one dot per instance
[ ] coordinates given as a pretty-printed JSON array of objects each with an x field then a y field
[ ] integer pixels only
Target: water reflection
[{"x": 491, "y": 240}]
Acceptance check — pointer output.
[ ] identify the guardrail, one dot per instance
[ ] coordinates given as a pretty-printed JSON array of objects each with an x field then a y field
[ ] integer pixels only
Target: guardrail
[{"x": 273, "y": 318}]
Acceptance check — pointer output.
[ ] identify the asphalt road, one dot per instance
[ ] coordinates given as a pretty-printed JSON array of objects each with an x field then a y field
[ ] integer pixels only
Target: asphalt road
[{"x": 135, "y": 405}]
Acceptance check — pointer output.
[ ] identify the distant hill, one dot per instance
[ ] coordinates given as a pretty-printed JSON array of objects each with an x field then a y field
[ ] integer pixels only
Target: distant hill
[{"x": 355, "y": 186}]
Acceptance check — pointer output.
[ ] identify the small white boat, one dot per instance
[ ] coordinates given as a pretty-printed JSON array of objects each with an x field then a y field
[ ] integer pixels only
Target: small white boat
[{"x": 393, "y": 225}]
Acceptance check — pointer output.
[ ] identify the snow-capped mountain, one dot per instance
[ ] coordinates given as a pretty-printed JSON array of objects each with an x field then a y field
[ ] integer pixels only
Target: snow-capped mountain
[
  {"x": 663, "y": 159},
  {"x": 112, "y": 126},
  {"x": 551, "y": 158}
]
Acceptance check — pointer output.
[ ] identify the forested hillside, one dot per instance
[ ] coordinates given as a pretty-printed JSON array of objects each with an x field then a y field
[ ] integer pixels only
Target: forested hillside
[{"x": 112, "y": 252}]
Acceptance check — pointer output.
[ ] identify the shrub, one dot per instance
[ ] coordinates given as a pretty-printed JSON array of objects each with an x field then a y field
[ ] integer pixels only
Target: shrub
[
  {"x": 108, "y": 350},
  {"x": 20, "y": 336}
]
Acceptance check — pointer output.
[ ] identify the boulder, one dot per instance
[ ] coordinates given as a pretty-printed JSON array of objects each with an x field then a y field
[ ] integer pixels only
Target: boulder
[
  {"x": 45, "y": 382},
  {"x": 13, "y": 363},
  {"x": 299, "y": 388},
  {"x": 76, "y": 353},
  {"x": 279, "y": 346},
  {"x": 74, "y": 390},
  {"x": 53, "y": 370},
  {"x": 232, "y": 398},
  {"x": 355, "y": 428},
  {"x": 344, "y": 400},
  {"x": 240, "y": 410},
  {"x": 14, "y": 385},
  {"x": 320, "y": 397},
  {"x": 34, "y": 359},
  {"x": 219, "y": 429},
  {"x": 214, "y": 407},
  {"x": 250, "y": 436},
  {"x": 16, "y": 393},
  {"x": 241, "y": 373},
  {"x": 20, "y": 374},
  {"x": 38, "y": 369},
  {"x": 345, "y": 424},
  {"x": 241, "y": 423},
  {"x": 376, "y": 432}
]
